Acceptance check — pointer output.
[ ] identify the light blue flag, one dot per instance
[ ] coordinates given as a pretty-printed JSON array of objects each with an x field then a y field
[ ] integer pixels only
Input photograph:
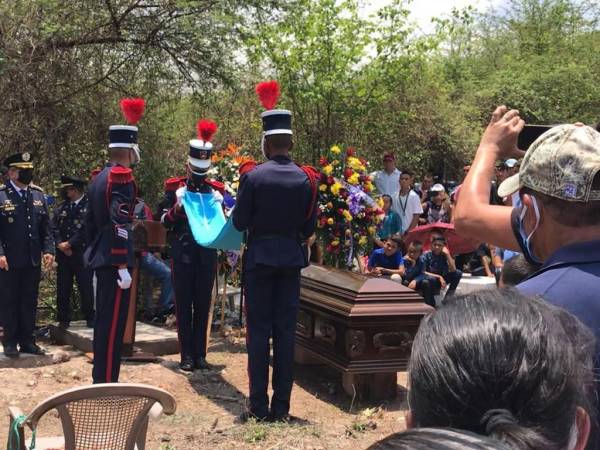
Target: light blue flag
[{"x": 208, "y": 223}]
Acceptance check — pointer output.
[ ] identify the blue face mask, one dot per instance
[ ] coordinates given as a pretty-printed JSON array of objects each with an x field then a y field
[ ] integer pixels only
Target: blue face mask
[{"x": 525, "y": 239}]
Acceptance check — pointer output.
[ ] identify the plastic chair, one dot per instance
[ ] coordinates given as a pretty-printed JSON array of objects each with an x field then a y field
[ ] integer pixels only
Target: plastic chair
[{"x": 111, "y": 416}]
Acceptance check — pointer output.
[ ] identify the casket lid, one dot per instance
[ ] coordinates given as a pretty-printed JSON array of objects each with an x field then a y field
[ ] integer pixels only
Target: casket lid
[{"x": 356, "y": 294}]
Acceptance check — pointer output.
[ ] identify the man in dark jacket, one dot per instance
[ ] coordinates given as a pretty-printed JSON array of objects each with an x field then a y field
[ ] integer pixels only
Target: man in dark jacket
[
  {"x": 25, "y": 234},
  {"x": 276, "y": 205},
  {"x": 69, "y": 235}
]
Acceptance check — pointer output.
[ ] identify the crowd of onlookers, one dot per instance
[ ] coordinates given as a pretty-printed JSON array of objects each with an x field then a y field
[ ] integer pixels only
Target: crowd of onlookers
[
  {"x": 408, "y": 204},
  {"x": 514, "y": 368}
]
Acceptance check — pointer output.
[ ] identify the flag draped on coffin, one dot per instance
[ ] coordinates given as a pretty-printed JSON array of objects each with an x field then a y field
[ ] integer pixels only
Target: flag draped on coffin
[{"x": 208, "y": 223}]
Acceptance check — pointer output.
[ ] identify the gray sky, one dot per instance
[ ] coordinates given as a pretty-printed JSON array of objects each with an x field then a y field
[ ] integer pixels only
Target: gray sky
[{"x": 423, "y": 10}]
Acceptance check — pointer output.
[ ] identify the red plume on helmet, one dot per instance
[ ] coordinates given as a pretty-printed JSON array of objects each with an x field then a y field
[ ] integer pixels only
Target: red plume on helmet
[
  {"x": 268, "y": 93},
  {"x": 133, "y": 109},
  {"x": 206, "y": 129}
]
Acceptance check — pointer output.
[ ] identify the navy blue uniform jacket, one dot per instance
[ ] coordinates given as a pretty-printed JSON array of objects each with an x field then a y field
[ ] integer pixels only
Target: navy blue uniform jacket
[
  {"x": 108, "y": 222},
  {"x": 68, "y": 225},
  {"x": 25, "y": 229},
  {"x": 275, "y": 204}
]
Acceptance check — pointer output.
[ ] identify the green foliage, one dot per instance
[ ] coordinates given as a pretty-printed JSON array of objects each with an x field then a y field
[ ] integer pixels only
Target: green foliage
[{"x": 370, "y": 82}]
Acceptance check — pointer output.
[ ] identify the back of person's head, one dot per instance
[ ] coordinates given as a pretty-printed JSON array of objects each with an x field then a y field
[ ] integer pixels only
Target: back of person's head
[
  {"x": 516, "y": 270},
  {"x": 500, "y": 364},
  {"x": 279, "y": 142},
  {"x": 437, "y": 439}
]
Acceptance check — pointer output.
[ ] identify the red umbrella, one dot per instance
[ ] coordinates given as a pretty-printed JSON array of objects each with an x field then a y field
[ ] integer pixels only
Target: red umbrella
[{"x": 455, "y": 243}]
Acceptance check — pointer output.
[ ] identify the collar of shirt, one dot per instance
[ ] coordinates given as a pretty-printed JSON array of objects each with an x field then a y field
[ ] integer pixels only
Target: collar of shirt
[
  {"x": 18, "y": 189},
  {"x": 579, "y": 252},
  {"x": 394, "y": 173},
  {"x": 76, "y": 202}
]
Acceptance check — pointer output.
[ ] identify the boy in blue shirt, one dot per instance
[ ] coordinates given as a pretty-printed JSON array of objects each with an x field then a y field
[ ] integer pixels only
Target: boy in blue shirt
[
  {"x": 440, "y": 267},
  {"x": 414, "y": 275},
  {"x": 387, "y": 261}
]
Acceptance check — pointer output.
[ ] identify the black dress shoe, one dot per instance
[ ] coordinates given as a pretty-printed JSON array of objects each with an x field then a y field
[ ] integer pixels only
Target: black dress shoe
[
  {"x": 282, "y": 418},
  {"x": 11, "y": 351},
  {"x": 187, "y": 365},
  {"x": 201, "y": 364},
  {"x": 64, "y": 325},
  {"x": 33, "y": 349},
  {"x": 247, "y": 415}
]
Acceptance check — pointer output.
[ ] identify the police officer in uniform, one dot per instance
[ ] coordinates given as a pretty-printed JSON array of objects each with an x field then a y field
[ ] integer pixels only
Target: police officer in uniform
[
  {"x": 276, "y": 205},
  {"x": 25, "y": 234},
  {"x": 110, "y": 252},
  {"x": 69, "y": 235},
  {"x": 194, "y": 266}
]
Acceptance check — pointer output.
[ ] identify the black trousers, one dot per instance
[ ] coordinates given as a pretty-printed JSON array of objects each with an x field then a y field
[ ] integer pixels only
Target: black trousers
[
  {"x": 18, "y": 304},
  {"x": 272, "y": 299},
  {"x": 424, "y": 286},
  {"x": 69, "y": 268},
  {"x": 112, "y": 304},
  {"x": 193, "y": 291}
]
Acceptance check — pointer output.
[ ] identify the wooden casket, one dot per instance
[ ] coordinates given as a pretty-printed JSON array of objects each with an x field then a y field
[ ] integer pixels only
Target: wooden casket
[{"x": 363, "y": 326}]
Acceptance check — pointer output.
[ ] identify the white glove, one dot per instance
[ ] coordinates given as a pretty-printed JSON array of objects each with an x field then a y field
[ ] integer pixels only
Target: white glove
[
  {"x": 179, "y": 194},
  {"x": 124, "y": 280},
  {"x": 218, "y": 196}
]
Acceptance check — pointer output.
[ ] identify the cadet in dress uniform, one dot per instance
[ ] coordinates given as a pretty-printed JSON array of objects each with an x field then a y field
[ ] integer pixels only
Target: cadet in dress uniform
[
  {"x": 69, "y": 236},
  {"x": 112, "y": 197},
  {"x": 276, "y": 205},
  {"x": 194, "y": 267},
  {"x": 25, "y": 234}
]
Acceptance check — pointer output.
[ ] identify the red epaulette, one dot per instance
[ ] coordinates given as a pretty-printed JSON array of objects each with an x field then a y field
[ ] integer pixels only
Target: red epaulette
[
  {"x": 172, "y": 184},
  {"x": 313, "y": 176},
  {"x": 247, "y": 167},
  {"x": 120, "y": 175},
  {"x": 216, "y": 185}
]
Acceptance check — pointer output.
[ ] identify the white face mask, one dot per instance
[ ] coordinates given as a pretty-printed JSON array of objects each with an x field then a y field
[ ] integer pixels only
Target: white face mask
[
  {"x": 262, "y": 147},
  {"x": 136, "y": 155}
]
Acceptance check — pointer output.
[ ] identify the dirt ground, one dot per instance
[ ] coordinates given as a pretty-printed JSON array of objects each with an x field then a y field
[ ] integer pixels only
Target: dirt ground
[{"x": 209, "y": 402}]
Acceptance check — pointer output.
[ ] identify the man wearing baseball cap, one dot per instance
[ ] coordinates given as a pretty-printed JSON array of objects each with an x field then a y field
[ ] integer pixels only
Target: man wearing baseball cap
[
  {"x": 558, "y": 224},
  {"x": 387, "y": 180}
]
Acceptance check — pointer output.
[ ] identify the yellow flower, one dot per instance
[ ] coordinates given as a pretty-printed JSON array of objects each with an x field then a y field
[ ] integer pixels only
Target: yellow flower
[
  {"x": 330, "y": 221},
  {"x": 335, "y": 150},
  {"x": 323, "y": 187},
  {"x": 335, "y": 243},
  {"x": 379, "y": 201},
  {"x": 363, "y": 240},
  {"x": 355, "y": 164},
  {"x": 372, "y": 230},
  {"x": 347, "y": 215},
  {"x": 327, "y": 170},
  {"x": 335, "y": 188},
  {"x": 354, "y": 178}
]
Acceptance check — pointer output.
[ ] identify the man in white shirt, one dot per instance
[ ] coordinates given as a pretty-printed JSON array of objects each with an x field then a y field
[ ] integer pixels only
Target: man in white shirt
[
  {"x": 386, "y": 180},
  {"x": 407, "y": 203}
]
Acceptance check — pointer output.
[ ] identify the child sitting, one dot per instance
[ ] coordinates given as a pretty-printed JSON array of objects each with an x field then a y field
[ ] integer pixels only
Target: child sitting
[
  {"x": 440, "y": 267},
  {"x": 387, "y": 261},
  {"x": 414, "y": 274}
]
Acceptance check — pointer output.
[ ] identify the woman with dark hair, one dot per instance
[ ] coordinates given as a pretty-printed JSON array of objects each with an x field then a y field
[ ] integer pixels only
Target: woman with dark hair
[
  {"x": 503, "y": 365},
  {"x": 438, "y": 439}
]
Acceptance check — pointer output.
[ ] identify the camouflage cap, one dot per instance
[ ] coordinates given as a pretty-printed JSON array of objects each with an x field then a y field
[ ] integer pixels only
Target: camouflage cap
[{"x": 561, "y": 163}]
